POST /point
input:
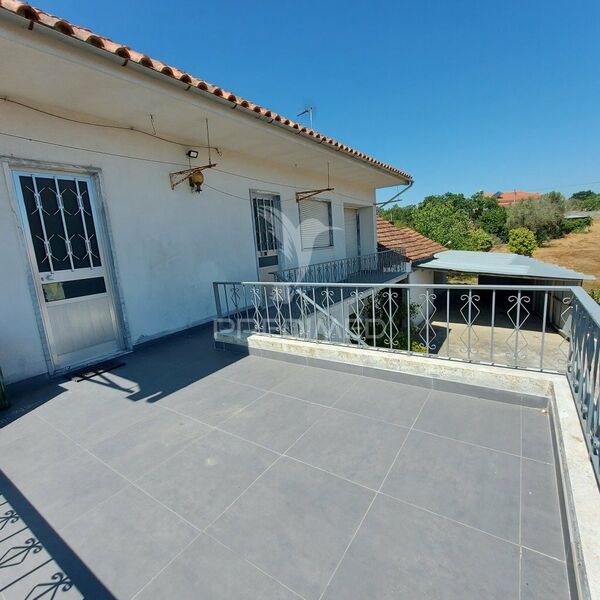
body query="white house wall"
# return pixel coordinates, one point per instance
(420, 276)
(168, 246)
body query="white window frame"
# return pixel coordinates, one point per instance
(329, 225)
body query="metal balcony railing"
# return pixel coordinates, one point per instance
(553, 329)
(367, 268)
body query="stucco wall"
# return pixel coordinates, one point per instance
(168, 246)
(419, 276)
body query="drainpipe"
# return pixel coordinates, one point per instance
(395, 197)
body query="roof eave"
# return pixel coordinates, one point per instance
(206, 90)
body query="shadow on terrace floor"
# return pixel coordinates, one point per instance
(151, 373)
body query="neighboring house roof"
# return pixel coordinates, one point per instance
(499, 263)
(39, 17)
(582, 214)
(415, 245)
(508, 198)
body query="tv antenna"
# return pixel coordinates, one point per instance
(308, 111)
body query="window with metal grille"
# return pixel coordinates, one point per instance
(266, 210)
(62, 226)
(315, 224)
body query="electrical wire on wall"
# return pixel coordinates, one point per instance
(165, 162)
(154, 135)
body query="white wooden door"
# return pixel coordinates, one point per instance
(61, 225)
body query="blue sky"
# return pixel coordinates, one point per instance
(463, 94)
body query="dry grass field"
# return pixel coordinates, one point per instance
(577, 251)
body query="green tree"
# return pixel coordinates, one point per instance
(438, 218)
(585, 200)
(402, 216)
(479, 240)
(542, 216)
(492, 218)
(522, 241)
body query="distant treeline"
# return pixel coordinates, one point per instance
(478, 222)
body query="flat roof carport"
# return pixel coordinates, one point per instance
(501, 264)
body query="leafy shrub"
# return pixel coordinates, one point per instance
(522, 241)
(478, 240)
(579, 224)
(542, 216)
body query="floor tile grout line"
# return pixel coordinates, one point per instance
(350, 412)
(383, 379)
(132, 483)
(536, 460)
(272, 391)
(183, 449)
(218, 541)
(558, 560)
(140, 418)
(282, 455)
(165, 567)
(331, 407)
(213, 428)
(304, 463)
(453, 439)
(375, 496)
(289, 456)
(446, 518)
(520, 501)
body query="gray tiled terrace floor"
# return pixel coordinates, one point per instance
(195, 473)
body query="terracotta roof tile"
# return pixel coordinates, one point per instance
(39, 17)
(415, 245)
(508, 198)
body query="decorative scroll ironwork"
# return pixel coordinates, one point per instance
(565, 323)
(235, 297)
(469, 312)
(390, 307)
(327, 296)
(583, 372)
(301, 303)
(335, 271)
(426, 309)
(518, 315)
(277, 298)
(359, 328)
(257, 316)
(375, 315)
(352, 308)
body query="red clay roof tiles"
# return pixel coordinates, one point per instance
(415, 245)
(508, 198)
(37, 16)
